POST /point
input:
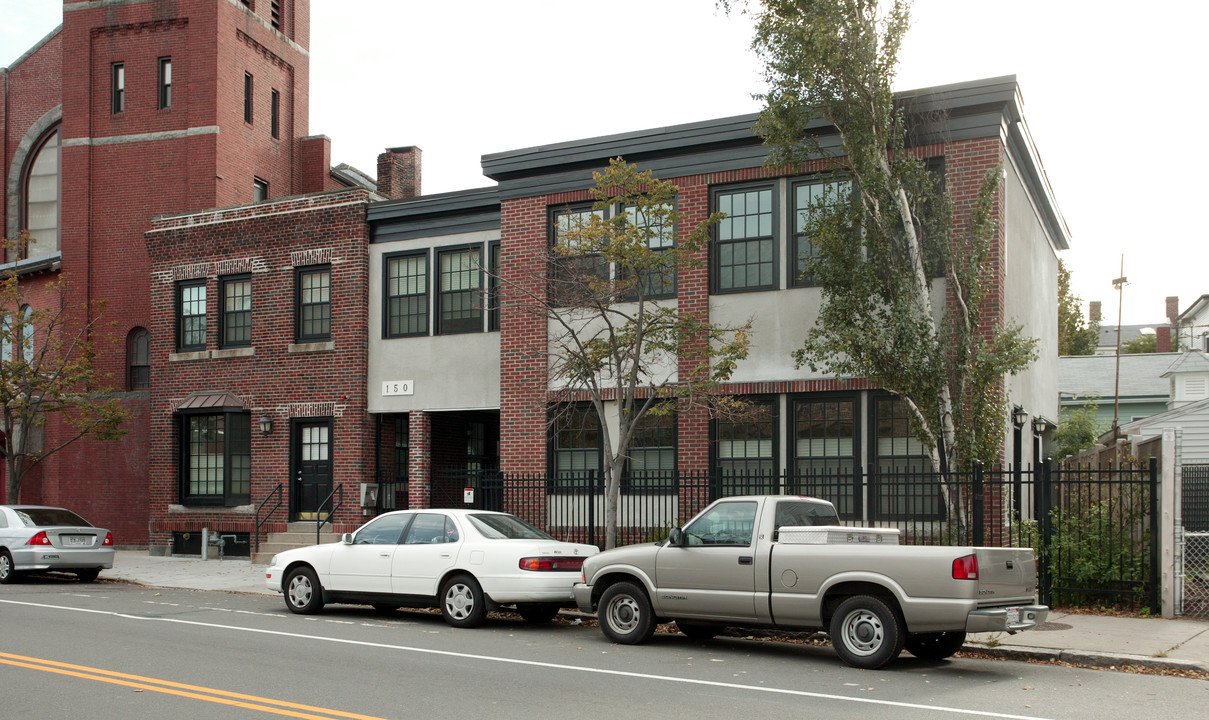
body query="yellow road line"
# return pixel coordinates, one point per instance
(224, 697)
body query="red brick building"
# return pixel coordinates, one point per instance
(129, 110)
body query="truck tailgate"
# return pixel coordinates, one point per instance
(1005, 574)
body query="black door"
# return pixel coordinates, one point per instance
(311, 459)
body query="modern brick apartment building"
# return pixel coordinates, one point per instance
(129, 110)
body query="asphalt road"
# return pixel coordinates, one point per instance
(117, 651)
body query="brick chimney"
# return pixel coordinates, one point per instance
(399, 172)
(1162, 339)
(1173, 309)
(1093, 312)
(314, 163)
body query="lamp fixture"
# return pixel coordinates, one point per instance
(1039, 425)
(1018, 416)
(266, 424)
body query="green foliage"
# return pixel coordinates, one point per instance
(1146, 343)
(1076, 335)
(48, 369)
(880, 248)
(1078, 429)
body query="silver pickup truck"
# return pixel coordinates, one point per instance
(785, 562)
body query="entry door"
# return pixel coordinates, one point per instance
(311, 454)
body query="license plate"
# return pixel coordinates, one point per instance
(74, 539)
(1013, 616)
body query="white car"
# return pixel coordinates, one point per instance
(465, 562)
(36, 538)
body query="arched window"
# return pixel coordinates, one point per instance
(138, 360)
(40, 211)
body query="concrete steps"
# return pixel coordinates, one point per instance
(297, 534)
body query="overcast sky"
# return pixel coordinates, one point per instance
(1109, 93)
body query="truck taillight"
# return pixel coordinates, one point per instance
(552, 564)
(965, 568)
(39, 539)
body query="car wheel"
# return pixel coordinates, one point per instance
(539, 613)
(698, 631)
(463, 604)
(88, 575)
(625, 614)
(303, 593)
(7, 573)
(935, 646)
(866, 632)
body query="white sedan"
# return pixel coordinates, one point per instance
(465, 562)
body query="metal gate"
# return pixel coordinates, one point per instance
(1192, 540)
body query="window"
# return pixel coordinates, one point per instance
(809, 198)
(576, 447)
(314, 312)
(247, 97)
(459, 300)
(216, 458)
(429, 529)
(727, 523)
(165, 82)
(275, 114)
(119, 88)
(260, 190)
(41, 206)
(493, 286)
(660, 278)
(745, 452)
(652, 464)
(406, 310)
(402, 447)
(191, 315)
(25, 335)
(744, 253)
(6, 340)
(571, 275)
(385, 530)
(235, 320)
(825, 445)
(904, 485)
(138, 360)
(277, 14)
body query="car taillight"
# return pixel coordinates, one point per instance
(965, 568)
(552, 564)
(108, 539)
(39, 539)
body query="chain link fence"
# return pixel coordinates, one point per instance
(1193, 575)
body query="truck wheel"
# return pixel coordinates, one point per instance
(625, 614)
(698, 631)
(935, 646)
(866, 632)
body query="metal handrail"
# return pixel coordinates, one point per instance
(256, 539)
(320, 520)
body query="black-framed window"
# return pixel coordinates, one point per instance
(118, 88)
(660, 282)
(216, 458)
(745, 447)
(826, 441)
(165, 83)
(235, 320)
(191, 315)
(40, 200)
(260, 190)
(745, 249)
(493, 286)
(570, 275)
(314, 303)
(575, 451)
(406, 311)
(138, 359)
(808, 198)
(904, 485)
(652, 463)
(459, 290)
(247, 97)
(402, 448)
(275, 114)
(277, 14)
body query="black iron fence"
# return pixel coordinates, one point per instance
(1093, 528)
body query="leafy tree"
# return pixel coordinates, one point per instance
(47, 369)
(614, 338)
(1076, 335)
(878, 250)
(1078, 429)
(1145, 343)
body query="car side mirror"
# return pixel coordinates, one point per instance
(347, 538)
(675, 538)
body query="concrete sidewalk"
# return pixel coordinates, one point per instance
(1094, 640)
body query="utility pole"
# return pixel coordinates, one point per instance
(1119, 284)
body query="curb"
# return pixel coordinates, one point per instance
(1089, 658)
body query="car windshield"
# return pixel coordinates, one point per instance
(506, 527)
(50, 517)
